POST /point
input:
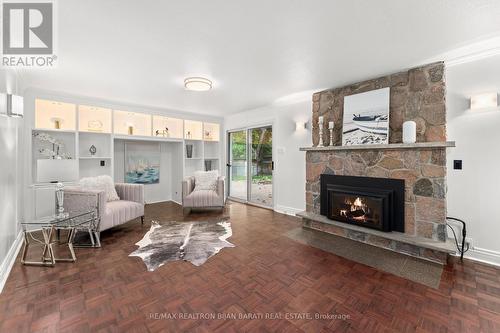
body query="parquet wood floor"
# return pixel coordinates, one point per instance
(107, 291)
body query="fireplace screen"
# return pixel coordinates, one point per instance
(376, 203)
(364, 210)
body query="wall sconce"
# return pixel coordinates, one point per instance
(300, 125)
(11, 105)
(3, 104)
(484, 101)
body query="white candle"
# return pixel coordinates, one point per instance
(330, 125)
(320, 119)
(409, 132)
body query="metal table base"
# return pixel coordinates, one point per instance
(48, 257)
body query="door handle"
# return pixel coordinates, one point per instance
(228, 165)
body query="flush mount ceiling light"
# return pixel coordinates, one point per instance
(197, 84)
(483, 101)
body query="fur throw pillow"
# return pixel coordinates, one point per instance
(101, 183)
(205, 180)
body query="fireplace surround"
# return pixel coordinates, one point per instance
(419, 227)
(376, 203)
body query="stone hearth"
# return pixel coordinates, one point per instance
(418, 247)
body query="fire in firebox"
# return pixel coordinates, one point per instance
(376, 203)
(356, 209)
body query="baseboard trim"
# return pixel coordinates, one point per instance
(157, 201)
(483, 255)
(10, 259)
(169, 200)
(287, 210)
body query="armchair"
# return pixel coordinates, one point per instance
(202, 198)
(109, 214)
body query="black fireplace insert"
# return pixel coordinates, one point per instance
(376, 203)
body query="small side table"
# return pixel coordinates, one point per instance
(49, 226)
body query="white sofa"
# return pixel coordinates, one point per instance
(112, 213)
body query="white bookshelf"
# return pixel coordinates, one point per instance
(81, 126)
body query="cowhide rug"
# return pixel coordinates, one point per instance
(191, 241)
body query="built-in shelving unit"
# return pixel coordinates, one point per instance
(81, 127)
(193, 130)
(101, 143)
(168, 128)
(131, 123)
(211, 146)
(94, 119)
(53, 115)
(211, 132)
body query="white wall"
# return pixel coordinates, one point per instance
(11, 208)
(289, 162)
(474, 192)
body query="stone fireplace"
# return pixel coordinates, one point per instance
(388, 195)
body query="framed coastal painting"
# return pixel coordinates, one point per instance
(142, 163)
(366, 118)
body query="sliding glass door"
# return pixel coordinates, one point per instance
(250, 165)
(237, 164)
(261, 166)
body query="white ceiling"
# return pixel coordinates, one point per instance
(256, 51)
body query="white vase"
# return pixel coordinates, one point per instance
(409, 131)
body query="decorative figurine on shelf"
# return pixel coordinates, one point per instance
(188, 135)
(320, 126)
(130, 130)
(208, 135)
(94, 125)
(57, 122)
(92, 150)
(164, 133)
(330, 127)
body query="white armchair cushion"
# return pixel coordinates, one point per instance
(102, 183)
(205, 180)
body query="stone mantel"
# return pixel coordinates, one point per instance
(391, 146)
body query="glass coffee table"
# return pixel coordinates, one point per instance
(50, 228)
